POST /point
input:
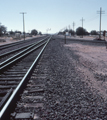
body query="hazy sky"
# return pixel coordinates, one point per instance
(54, 14)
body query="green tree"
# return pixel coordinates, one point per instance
(72, 32)
(40, 33)
(81, 31)
(93, 32)
(60, 33)
(11, 32)
(34, 32)
(18, 32)
(3, 30)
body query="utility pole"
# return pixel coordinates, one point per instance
(23, 24)
(0, 24)
(100, 12)
(65, 34)
(69, 27)
(69, 30)
(82, 26)
(73, 27)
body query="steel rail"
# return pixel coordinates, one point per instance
(7, 64)
(6, 109)
(7, 53)
(15, 43)
(18, 54)
(10, 44)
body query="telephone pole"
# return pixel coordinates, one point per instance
(69, 30)
(82, 26)
(23, 24)
(69, 27)
(100, 12)
(73, 27)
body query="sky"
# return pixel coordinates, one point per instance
(55, 15)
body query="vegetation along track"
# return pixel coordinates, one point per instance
(14, 75)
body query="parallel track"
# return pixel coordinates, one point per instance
(13, 78)
(16, 43)
(17, 49)
(16, 57)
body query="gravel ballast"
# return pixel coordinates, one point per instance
(67, 97)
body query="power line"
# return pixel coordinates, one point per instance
(100, 12)
(91, 19)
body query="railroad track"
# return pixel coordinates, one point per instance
(16, 54)
(14, 49)
(2, 47)
(15, 72)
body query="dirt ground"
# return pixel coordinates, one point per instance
(91, 63)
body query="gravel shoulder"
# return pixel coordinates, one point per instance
(92, 63)
(72, 90)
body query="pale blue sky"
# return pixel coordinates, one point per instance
(54, 14)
